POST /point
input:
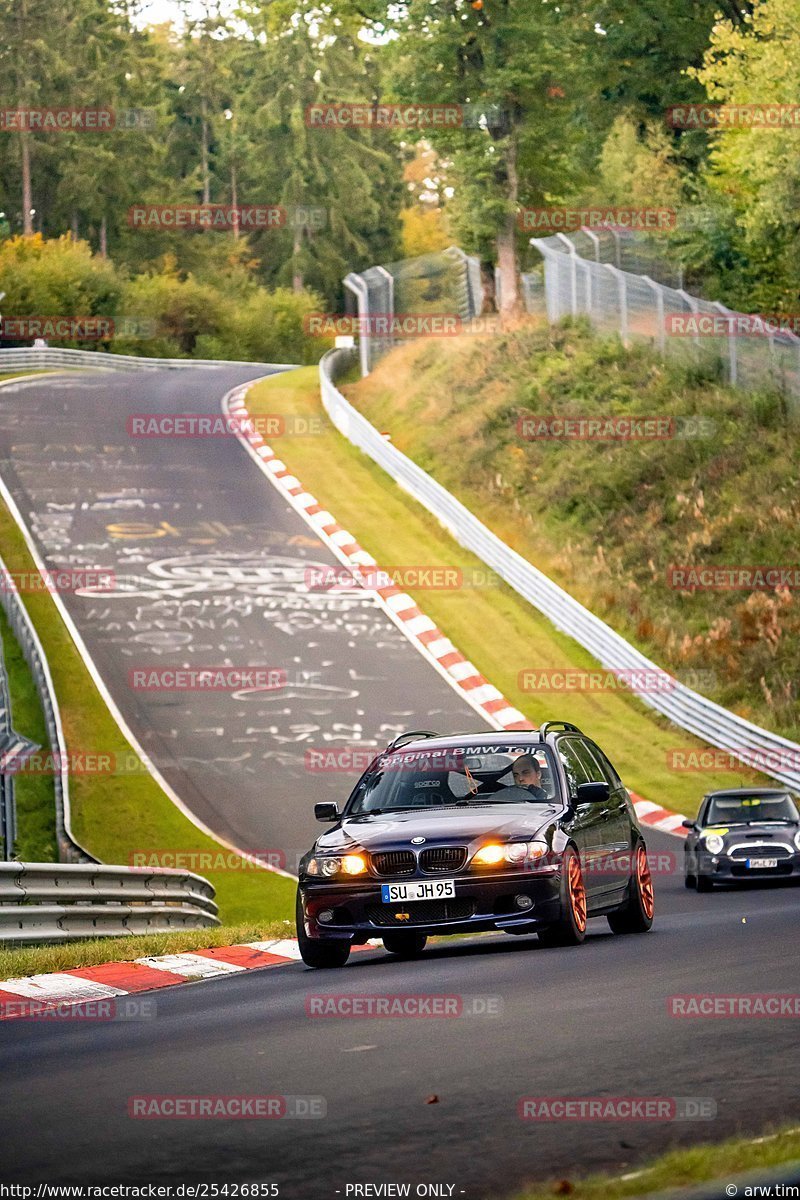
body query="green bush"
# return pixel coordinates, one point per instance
(220, 312)
(56, 278)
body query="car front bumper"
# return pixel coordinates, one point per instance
(480, 904)
(724, 868)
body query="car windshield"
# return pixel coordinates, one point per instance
(435, 778)
(731, 810)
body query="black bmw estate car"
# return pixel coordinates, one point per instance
(521, 832)
(742, 833)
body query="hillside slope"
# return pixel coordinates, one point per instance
(608, 520)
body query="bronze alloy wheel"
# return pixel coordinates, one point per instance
(644, 881)
(570, 927)
(635, 915)
(577, 892)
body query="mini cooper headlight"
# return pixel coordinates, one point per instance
(515, 854)
(714, 843)
(797, 840)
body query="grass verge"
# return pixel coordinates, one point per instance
(679, 1168)
(491, 625)
(36, 960)
(35, 797)
(113, 814)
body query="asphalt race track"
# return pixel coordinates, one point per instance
(586, 1021)
(210, 563)
(211, 568)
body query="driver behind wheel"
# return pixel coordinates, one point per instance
(528, 775)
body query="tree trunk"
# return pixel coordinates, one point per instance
(234, 202)
(204, 153)
(27, 197)
(297, 277)
(507, 238)
(104, 237)
(507, 267)
(74, 226)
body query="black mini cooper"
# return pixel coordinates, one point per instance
(522, 832)
(742, 833)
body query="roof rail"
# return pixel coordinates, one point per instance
(549, 726)
(410, 736)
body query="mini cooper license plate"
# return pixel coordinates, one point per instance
(754, 863)
(436, 889)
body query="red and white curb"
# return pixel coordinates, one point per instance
(658, 817)
(403, 610)
(52, 996)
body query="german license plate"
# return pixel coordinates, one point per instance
(402, 893)
(755, 863)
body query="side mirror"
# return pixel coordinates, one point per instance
(688, 823)
(326, 812)
(593, 793)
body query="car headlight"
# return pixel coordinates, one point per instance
(515, 854)
(350, 864)
(797, 840)
(714, 843)
(354, 864)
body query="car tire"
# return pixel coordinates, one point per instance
(404, 945)
(570, 928)
(636, 915)
(316, 952)
(704, 884)
(689, 880)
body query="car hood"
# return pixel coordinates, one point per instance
(390, 831)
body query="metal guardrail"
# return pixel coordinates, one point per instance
(69, 849)
(775, 756)
(51, 902)
(8, 812)
(48, 358)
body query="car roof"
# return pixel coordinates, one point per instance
(488, 737)
(754, 791)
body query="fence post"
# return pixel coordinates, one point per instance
(573, 255)
(623, 301)
(595, 240)
(587, 266)
(390, 313)
(358, 287)
(551, 290)
(472, 281)
(695, 308)
(733, 364)
(659, 295)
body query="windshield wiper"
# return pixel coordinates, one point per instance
(384, 812)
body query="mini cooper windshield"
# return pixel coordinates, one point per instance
(741, 810)
(459, 775)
